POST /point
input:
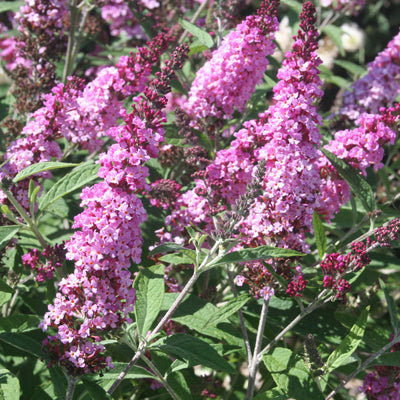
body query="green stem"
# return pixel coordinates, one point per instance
(241, 319)
(253, 367)
(362, 366)
(69, 58)
(160, 377)
(143, 345)
(28, 220)
(72, 380)
(310, 308)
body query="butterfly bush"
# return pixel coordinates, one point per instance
(80, 113)
(228, 80)
(363, 106)
(98, 295)
(284, 137)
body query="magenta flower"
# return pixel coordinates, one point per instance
(228, 80)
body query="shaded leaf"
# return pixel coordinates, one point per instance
(24, 343)
(11, 5)
(195, 350)
(40, 167)
(357, 183)
(392, 308)
(59, 382)
(96, 392)
(291, 375)
(19, 323)
(149, 285)
(228, 309)
(351, 67)
(350, 343)
(135, 372)
(7, 232)
(195, 313)
(178, 384)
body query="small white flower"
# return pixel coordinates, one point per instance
(353, 37)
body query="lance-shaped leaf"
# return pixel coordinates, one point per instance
(257, 253)
(79, 177)
(149, 285)
(228, 309)
(352, 176)
(24, 343)
(199, 33)
(40, 167)
(7, 232)
(291, 375)
(194, 350)
(320, 235)
(96, 392)
(349, 343)
(9, 385)
(166, 248)
(392, 308)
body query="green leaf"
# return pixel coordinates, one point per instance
(228, 309)
(179, 385)
(335, 33)
(392, 308)
(40, 167)
(19, 323)
(199, 33)
(351, 67)
(96, 392)
(135, 372)
(6, 292)
(273, 394)
(391, 359)
(184, 257)
(77, 178)
(24, 343)
(9, 385)
(194, 350)
(357, 183)
(58, 381)
(349, 343)
(295, 5)
(320, 236)
(7, 232)
(11, 6)
(166, 248)
(291, 375)
(197, 47)
(195, 313)
(149, 285)
(257, 253)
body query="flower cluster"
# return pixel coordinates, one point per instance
(43, 270)
(99, 295)
(378, 88)
(384, 382)
(164, 193)
(284, 140)
(262, 283)
(361, 147)
(81, 113)
(228, 80)
(335, 265)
